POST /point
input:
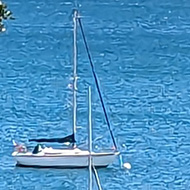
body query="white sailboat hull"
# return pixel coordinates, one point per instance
(65, 159)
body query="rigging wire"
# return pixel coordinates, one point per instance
(96, 81)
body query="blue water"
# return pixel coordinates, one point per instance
(141, 55)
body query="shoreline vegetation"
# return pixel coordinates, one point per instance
(5, 14)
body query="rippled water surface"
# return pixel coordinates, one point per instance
(141, 54)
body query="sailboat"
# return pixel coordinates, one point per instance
(67, 157)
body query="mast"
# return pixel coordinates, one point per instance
(75, 72)
(90, 138)
(90, 159)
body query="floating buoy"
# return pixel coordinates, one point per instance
(127, 165)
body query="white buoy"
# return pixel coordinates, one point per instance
(127, 165)
(3, 29)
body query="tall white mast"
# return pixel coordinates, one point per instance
(90, 159)
(75, 72)
(89, 139)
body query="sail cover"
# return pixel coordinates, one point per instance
(70, 139)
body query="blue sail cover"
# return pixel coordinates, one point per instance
(70, 139)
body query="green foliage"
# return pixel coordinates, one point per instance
(5, 14)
